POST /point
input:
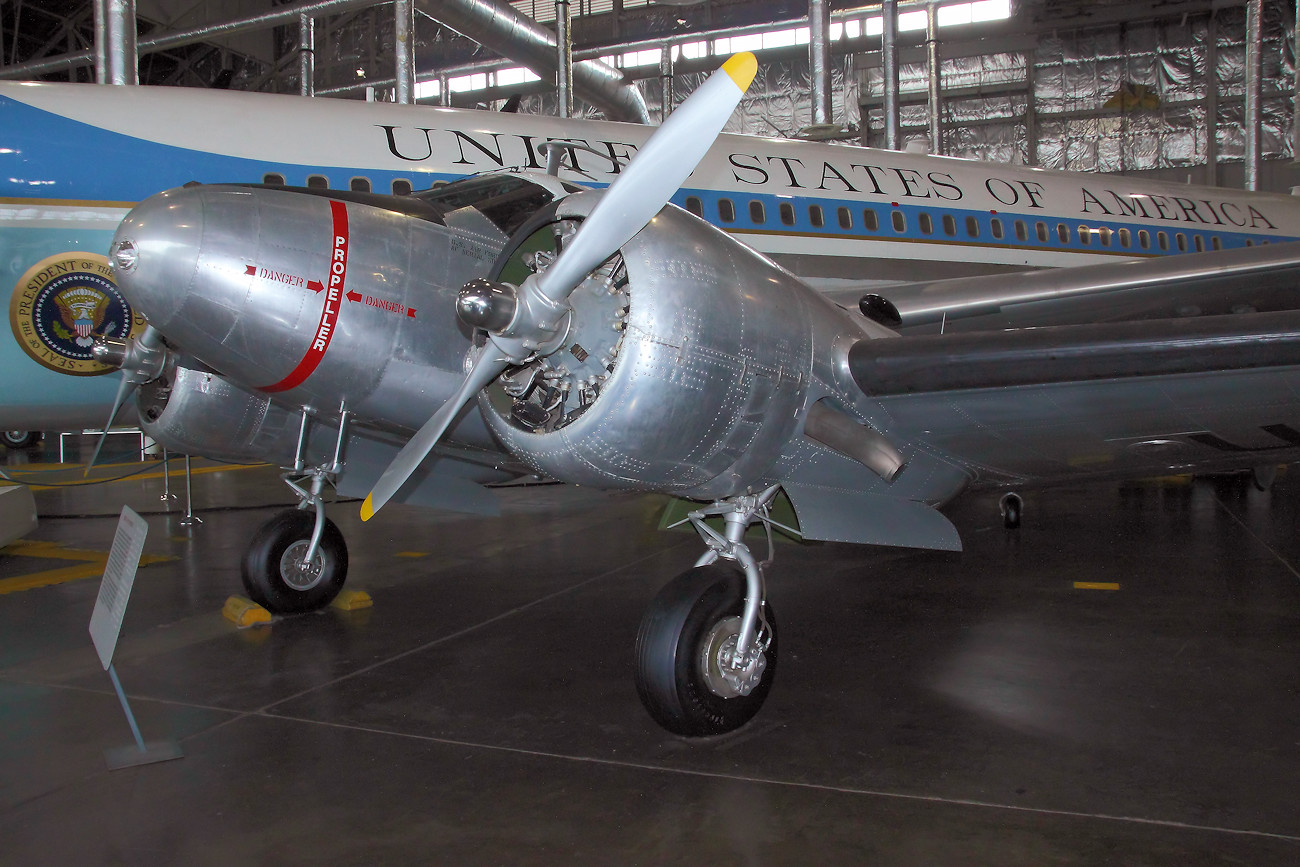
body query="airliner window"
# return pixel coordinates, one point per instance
(1105, 236)
(273, 178)
(927, 225)
(816, 216)
(318, 182)
(1040, 229)
(1085, 235)
(786, 211)
(506, 200)
(1022, 231)
(1125, 238)
(1200, 243)
(1144, 239)
(996, 225)
(359, 185)
(1163, 240)
(900, 221)
(402, 187)
(949, 225)
(756, 213)
(845, 217)
(695, 206)
(1182, 242)
(973, 227)
(1249, 242)
(869, 221)
(1063, 233)
(1216, 243)
(727, 210)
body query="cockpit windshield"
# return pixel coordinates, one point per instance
(507, 200)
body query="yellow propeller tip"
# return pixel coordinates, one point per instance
(742, 68)
(367, 510)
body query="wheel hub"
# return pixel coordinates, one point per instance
(725, 674)
(296, 571)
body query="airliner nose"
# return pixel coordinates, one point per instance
(155, 253)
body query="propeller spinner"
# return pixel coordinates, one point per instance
(531, 319)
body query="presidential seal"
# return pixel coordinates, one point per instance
(62, 304)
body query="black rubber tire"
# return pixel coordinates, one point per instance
(261, 572)
(20, 439)
(1012, 507)
(668, 645)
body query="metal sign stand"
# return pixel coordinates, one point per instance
(106, 625)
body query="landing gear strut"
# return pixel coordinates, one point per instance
(706, 649)
(298, 561)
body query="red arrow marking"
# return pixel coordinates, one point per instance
(250, 270)
(354, 296)
(316, 286)
(330, 311)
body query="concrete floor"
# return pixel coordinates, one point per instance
(930, 708)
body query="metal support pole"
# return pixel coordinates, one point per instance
(306, 55)
(1212, 101)
(1254, 73)
(444, 91)
(121, 58)
(819, 27)
(101, 41)
(564, 61)
(190, 517)
(404, 51)
(167, 480)
(889, 60)
(126, 708)
(933, 77)
(1295, 94)
(666, 82)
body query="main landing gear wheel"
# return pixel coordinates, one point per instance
(1011, 507)
(20, 439)
(275, 572)
(683, 650)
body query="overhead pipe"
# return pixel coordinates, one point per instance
(404, 51)
(306, 55)
(889, 60)
(819, 25)
(933, 73)
(563, 58)
(495, 25)
(281, 16)
(1254, 73)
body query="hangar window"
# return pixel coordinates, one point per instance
(927, 225)
(756, 213)
(359, 185)
(816, 216)
(869, 221)
(786, 211)
(996, 225)
(1144, 239)
(972, 227)
(900, 221)
(695, 206)
(727, 210)
(1022, 231)
(1125, 238)
(318, 182)
(845, 216)
(273, 178)
(949, 224)
(402, 187)
(1163, 240)
(1040, 228)
(1200, 243)
(1063, 233)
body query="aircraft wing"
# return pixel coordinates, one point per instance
(1217, 282)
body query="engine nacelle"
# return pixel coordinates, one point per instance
(687, 360)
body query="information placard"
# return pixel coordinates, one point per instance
(115, 589)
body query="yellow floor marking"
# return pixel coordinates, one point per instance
(174, 473)
(93, 564)
(412, 553)
(1095, 585)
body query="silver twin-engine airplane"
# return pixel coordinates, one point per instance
(411, 346)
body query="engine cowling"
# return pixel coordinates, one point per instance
(687, 360)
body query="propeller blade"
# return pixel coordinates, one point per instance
(652, 177)
(487, 368)
(124, 391)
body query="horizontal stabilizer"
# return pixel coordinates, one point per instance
(1075, 353)
(829, 515)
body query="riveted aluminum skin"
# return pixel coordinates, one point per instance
(231, 274)
(709, 381)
